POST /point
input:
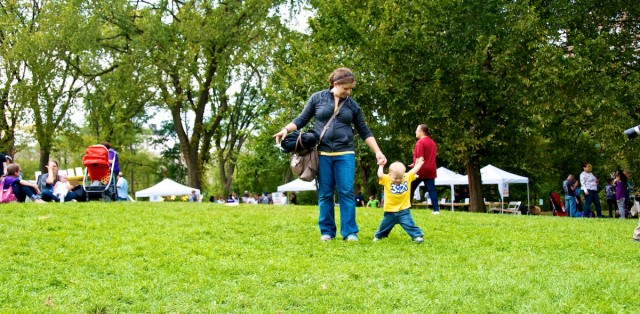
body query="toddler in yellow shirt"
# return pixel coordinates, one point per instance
(397, 200)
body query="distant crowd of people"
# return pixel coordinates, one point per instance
(581, 193)
(249, 198)
(618, 192)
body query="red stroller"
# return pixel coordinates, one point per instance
(556, 205)
(98, 181)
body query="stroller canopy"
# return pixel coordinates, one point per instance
(96, 155)
(96, 160)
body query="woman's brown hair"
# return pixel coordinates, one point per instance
(55, 174)
(341, 76)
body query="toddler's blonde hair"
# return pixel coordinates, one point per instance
(397, 168)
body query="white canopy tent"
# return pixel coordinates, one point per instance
(166, 187)
(298, 185)
(445, 177)
(494, 175)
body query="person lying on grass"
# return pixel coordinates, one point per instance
(397, 200)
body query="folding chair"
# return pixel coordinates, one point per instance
(513, 207)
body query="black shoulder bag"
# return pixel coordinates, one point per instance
(305, 166)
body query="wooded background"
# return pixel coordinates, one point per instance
(533, 87)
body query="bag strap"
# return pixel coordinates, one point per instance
(326, 126)
(299, 142)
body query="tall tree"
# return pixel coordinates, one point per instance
(56, 42)
(197, 47)
(491, 78)
(591, 70)
(458, 66)
(248, 105)
(12, 72)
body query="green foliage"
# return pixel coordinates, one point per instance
(172, 165)
(27, 158)
(262, 166)
(54, 40)
(254, 258)
(141, 168)
(199, 52)
(530, 87)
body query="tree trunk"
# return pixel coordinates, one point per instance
(225, 180)
(7, 125)
(476, 199)
(194, 169)
(44, 159)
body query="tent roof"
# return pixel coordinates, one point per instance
(166, 187)
(494, 175)
(448, 177)
(298, 185)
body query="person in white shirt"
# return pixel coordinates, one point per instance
(62, 187)
(589, 184)
(252, 200)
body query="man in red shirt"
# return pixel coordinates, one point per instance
(427, 149)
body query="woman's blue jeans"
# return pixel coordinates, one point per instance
(47, 196)
(336, 173)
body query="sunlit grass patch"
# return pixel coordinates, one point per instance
(200, 257)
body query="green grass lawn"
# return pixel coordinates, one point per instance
(201, 257)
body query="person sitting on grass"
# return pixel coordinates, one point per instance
(21, 188)
(48, 181)
(193, 197)
(62, 187)
(397, 200)
(252, 199)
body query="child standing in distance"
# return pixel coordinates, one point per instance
(373, 202)
(397, 200)
(610, 194)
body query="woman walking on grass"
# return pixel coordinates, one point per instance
(336, 167)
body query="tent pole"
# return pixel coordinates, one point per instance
(452, 198)
(528, 204)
